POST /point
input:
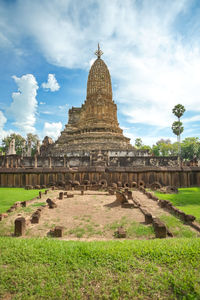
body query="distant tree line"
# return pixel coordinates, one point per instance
(20, 142)
(190, 148)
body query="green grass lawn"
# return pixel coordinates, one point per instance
(187, 200)
(177, 228)
(52, 269)
(8, 196)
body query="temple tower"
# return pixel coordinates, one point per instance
(100, 111)
(94, 126)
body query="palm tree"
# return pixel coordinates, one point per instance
(177, 126)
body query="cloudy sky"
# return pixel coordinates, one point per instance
(151, 47)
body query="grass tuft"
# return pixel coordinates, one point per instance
(52, 269)
(177, 228)
(187, 200)
(8, 196)
(134, 229)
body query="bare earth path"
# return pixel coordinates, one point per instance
(92, 216)
(154, 208)
(88, 210)
(150, 205)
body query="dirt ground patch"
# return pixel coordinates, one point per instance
(92, 216)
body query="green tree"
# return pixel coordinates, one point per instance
(178, 110)
(156, 150)
(162, 148)
(146, 147)
(1, 149)
(34, 140)
(19, 140)
(138, 143)
(165, 149)
(174, 149)
(140, 146)
(161, 141)
(190, 148)
(177, 127)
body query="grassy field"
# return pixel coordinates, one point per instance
(89, 229)
(177, 228)
(51, 269)
(187, 200)
(8, 196)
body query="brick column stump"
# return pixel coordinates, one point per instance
(61, 196)
(20, 226)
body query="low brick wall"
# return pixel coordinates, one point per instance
(180, 177)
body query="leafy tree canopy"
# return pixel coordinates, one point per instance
(163, 141)
(156, 150)
(138, 143)
(163, 147)
(190, 148)
(177, 128)
(19, 140)
(178, 110)
(34, 140)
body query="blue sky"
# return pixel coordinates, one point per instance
(151, 47)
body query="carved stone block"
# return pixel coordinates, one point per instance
(120, 233)
(120, 197)
(23, 204)
(159, 228)
(51, 203)
(20, 226)
(61, 196)
(70, 195)
(58, 231)
(130, 195)
(35, 217)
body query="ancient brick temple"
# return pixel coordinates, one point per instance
(94, 125)
(92, 148)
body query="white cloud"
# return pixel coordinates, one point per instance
(46, 112)
(24, 105)
(152, 52)
(3, 121)
(152, 140)
(191, 119)
(63, 107)
(42, 103)
(148, 138)
(91, 61)
(3, 132)
(4, 42)
(51, 84)
(52, 129)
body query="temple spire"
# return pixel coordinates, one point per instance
(98, 53)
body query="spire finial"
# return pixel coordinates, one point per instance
(98, 53)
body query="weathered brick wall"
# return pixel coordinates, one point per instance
(115, 159)
(181, 177)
